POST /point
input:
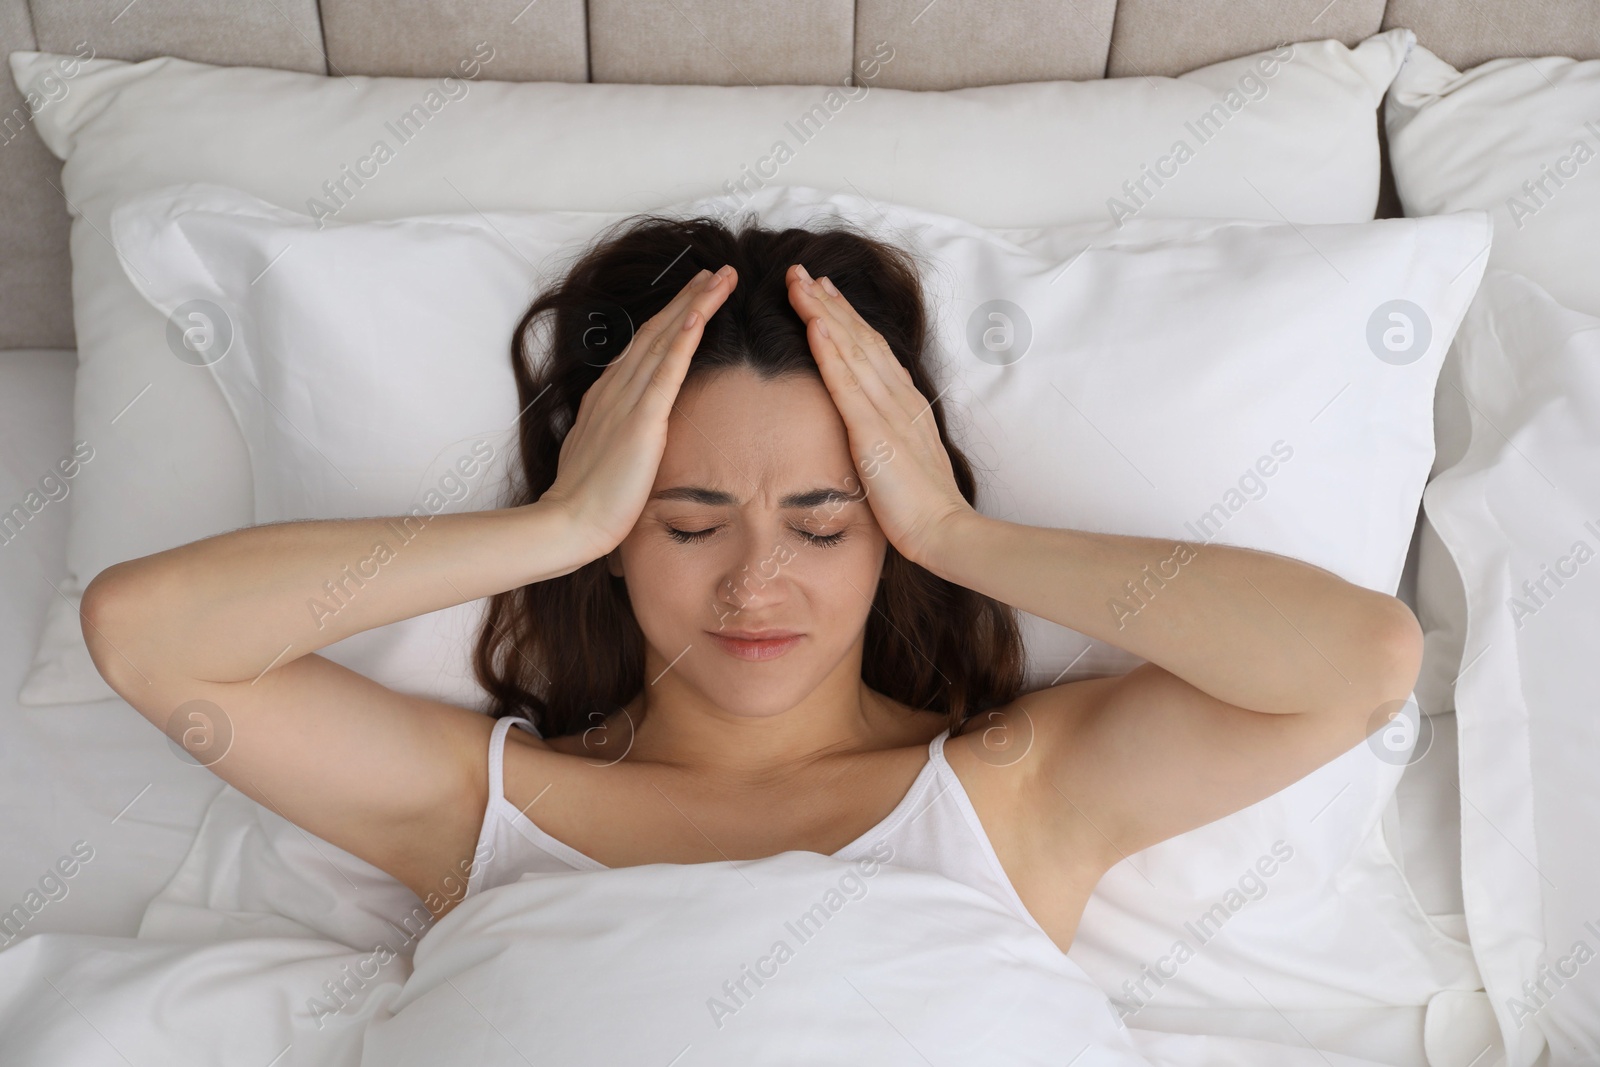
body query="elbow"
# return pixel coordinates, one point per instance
(99, 613)
(1406, 645)
(1397, 655)
(96, 604)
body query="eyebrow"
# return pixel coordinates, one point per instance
(699, 494)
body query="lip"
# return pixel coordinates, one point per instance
(766, 644)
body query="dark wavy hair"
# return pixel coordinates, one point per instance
(567, 652)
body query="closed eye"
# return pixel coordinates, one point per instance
(684, 537)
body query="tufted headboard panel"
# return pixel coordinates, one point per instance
(938, 44)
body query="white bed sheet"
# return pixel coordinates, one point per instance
(96, 773)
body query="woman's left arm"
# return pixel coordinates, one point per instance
(1261, 668)
(1258, 630)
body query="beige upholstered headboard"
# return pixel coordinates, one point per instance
(938, 44)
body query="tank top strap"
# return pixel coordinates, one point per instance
(956, 843)
(497, 750)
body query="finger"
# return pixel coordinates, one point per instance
(895, 374)
(662, 323)
(827, 296)
(861, 413)
(617, 384)
(883, 377)
(660, 386)
(666, 358)
(840, 339)
(680, 329)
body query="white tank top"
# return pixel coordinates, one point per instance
(933, 828)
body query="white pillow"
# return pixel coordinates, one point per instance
(1253, 323)
(1521, 511)
(310, 315)
(1519, 138)
(174, 468)
(368, 367)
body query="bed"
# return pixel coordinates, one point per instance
(86, 779)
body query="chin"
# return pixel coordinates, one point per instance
(755, 687)
(757, 698)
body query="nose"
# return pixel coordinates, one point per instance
(755, 581)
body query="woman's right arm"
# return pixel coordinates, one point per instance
(215, 642)
(224, 608)
(234, 620)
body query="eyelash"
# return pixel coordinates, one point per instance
(684, 537)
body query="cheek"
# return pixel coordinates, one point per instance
(661, 578)
(674, 591)
(841, 583)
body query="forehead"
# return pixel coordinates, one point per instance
(731, 430)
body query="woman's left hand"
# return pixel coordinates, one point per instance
(905, 469)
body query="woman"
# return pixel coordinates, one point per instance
(744, 594)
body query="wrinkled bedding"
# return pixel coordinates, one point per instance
(797, 959)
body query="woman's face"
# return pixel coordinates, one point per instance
(739, 451)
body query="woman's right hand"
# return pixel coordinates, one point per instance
(610, 456)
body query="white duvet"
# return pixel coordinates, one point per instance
(794, 959)
(797, 958)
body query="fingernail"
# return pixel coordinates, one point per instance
(828, 285)
(701, 276)
(726, 269)
(805, 275)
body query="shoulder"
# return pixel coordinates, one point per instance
(1138, 758)
(562, 773)
(1042, 758)
(1030, 731)
(1009, 760)
(1048, 846)
(518, 735)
